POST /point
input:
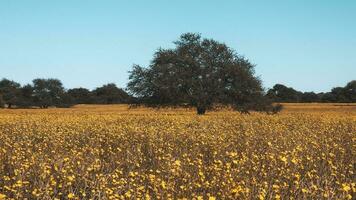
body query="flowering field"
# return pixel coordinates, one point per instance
(110, 152)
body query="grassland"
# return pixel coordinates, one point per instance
(112, 152)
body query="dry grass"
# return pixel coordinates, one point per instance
(111, 152)
(338, 108)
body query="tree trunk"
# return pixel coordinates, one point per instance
(9, 105)
(201, 110)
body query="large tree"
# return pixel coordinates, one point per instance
(197, 72)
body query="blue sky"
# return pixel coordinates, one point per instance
(308, 45)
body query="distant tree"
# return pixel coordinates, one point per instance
(66, 101)
(328, 97)
(80, 95)
(198, 72)
(110, 94)
(281, 93)
(339, 94)
(48, 92)
(2, 102)
(309, 97)
(10, 91)
(345, 94)
(26, 96)
(350, 91)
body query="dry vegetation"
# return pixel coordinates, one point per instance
(110, 152)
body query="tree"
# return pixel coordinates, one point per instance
(80, 95)
(350, 91)
(10, 92)
(309, 97)
(2, 102)
(282, 93)
(328, 97)
(345, 94)
(197, 72)
(26, 96)
(339, 94)
(110, 94)
(48, 92)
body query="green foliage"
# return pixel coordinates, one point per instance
(80, 95)
(48, 92)
(197, 72)
(350, 91)
(2, 102)
(110, 94)
(10, 91)
(281, 93)
(309, 97)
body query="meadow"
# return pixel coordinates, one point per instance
(112, 152)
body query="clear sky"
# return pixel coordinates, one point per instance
(308, 45)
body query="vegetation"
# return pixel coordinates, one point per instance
(44, 93)
(2, 102)
(9, 91)
(198, 72)
(110, 152)
(281, 93)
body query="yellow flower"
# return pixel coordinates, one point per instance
(346, 187)
(275, 187)
(261, 196)
(70, 178)
(163, 184)
(236, 190)
(294, 161)
(284, 159)
(177, 162)
(71, 196)
(128, 194)
(2, 196)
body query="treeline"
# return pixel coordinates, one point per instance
(284, 94)
(44, 93)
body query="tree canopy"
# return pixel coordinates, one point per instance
(110, 94)
(198, 72)
(50, 92)
(282, 93)
(9, 91)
